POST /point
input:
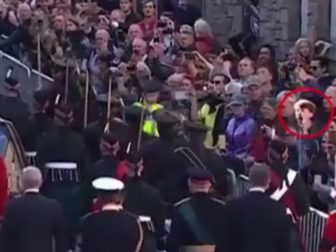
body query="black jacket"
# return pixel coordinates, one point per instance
(255, 223)
(30, 224)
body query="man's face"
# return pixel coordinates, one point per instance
(134, 32)
(316, 70)
(264, 75)
(331, 94)
(254, 93)
(101, 39)
(125, 5)
(264, 55)
(303, 114)
(219, 83)
(245, 68)
(139, 47)
(186, 40)
(149, 10)
(24, 13)
(152, 97)
(59, 23)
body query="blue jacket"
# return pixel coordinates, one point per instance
(239, 135)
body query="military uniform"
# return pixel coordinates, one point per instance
(163, 169)
(112, 228)
(94, 131)
(208, 159)
(196, 221)
(12, 108)
(62, 156)
(40, 122)
(146, 202)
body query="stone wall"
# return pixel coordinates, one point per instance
(282, 22)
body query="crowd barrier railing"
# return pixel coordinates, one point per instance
(27, 77)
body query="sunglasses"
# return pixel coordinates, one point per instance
(216, 82)
(313, 68)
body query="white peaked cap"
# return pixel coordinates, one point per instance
(108, 184)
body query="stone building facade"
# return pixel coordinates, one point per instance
(282, 21)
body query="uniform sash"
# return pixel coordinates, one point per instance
(190, 216)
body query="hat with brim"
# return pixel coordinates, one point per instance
(166, 117)
(199, 176)
(195, 127)
(237, 100)
(63, 112)
(151, 86)
(108, 184)
(253, 80)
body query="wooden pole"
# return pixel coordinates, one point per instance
(39, 78)
(66, 91)
(86, 104)
(109, 98)
(142, 118)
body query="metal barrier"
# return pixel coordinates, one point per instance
(27, 77)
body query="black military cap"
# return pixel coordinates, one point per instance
(199, 175)
(134, 112)
(166, 117)
(195, 127)
(151, 86)
(102, 100)
(41, 96)
(63, 112)
(133, 157)
(109, 139)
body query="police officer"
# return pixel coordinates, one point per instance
(196, 224)
(62, 156)
(112, 228)
(151, 93)
(146, 202)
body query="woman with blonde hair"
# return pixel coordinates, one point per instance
(304, 52)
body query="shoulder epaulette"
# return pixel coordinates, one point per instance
(182, 201)
(218, 201)
(90, 214)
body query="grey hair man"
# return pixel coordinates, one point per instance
(37, 222)
(260, 177)
(31, 179)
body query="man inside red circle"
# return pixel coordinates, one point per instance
(306, 147)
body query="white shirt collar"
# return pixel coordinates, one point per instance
(32, 190)
(257, 189)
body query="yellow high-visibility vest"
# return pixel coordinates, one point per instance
(150, 125)
(208, 119)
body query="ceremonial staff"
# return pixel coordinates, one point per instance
(109, 98)
(86, 102)
(142, 118)
(39, 78)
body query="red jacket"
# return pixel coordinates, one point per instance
(204, 45)
(3, 186)
(148, 27)
(329, 235)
